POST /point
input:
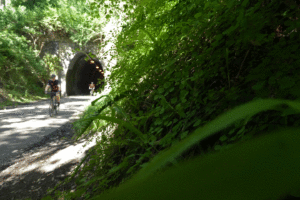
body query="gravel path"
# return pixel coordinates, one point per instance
(40, 161)
(27, 125)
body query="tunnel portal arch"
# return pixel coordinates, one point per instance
(72, 77)
(81, 73)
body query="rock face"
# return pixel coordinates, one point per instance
(50, 47)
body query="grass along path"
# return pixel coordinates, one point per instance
(13, 98)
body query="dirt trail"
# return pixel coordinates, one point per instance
(43, 167)
(43, 162)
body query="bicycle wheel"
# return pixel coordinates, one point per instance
(55, 106)
(51, 111)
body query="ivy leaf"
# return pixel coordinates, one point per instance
(183, 93)
(218, 37)
(197, 122)
(152, 139)
(241, 131)
(258, 86)
(231, 29)
(272, 80)
(231, 131)
(286, 82)
(198, 15)
(161, 90)
(174, 100)
(207, 4)
(120, 166)
(162, 110)
(167, 85)
(180, 110)
(184, 134)
(168, 123)
(289, 111)
(217, 147)
(83, 180)
(245, 3)
(223, 138)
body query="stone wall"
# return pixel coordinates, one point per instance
(65, 51)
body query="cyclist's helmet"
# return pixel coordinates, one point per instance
(53, 76)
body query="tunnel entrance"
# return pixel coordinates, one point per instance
(89, 72)
(82, 74)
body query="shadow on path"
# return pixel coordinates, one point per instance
(42, 165)
(23, 127)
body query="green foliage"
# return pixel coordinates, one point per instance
(72, 18)
(265, 168)
(23, 28)
(52, 64)
(216, 125)
(180, 64)
(32, 4)
(17, 62)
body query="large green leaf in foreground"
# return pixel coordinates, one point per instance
(221, 122)
(264, 168)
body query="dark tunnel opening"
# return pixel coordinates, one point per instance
(82, 74)
(89, 72)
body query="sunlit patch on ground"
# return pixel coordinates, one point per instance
(66, 155)
(45, 160)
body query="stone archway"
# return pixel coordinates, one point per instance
(81, 73)
(77, 73)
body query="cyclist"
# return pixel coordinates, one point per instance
(92, 88)
(54, 87)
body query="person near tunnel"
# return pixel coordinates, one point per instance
(54, 87)
(92, 88)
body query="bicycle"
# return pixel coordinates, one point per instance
(53, 107)
(91, 92)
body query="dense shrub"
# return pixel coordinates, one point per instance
(183, 63)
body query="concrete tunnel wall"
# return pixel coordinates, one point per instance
(81, 73)
(77, 73)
